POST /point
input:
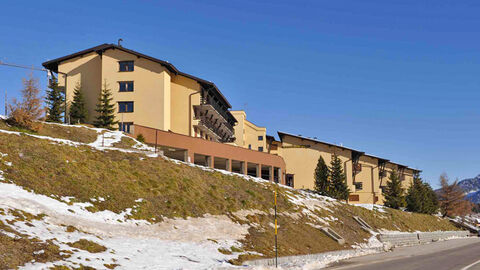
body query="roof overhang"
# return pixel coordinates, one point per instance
(100, 49)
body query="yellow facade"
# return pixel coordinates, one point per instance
(86, 70)
(363, 176)
(169, 100)
(163, 98)
(249, 135)
(301, 157)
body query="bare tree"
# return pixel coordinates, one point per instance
(26, 113)
(452, 198)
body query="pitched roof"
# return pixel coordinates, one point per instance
(53, 65)
(282, 134)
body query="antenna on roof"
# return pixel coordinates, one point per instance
(119, 42)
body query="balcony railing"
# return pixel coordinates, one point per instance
(221, 110)
(216, 131)
(357, 167)
(214, 117)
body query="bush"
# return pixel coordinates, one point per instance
(140, 138)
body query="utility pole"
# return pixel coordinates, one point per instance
(276, 247)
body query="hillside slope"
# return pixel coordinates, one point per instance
(73, 196)
(471, 186)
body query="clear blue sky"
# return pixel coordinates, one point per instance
(398, 80)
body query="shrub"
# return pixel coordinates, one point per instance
(140, 138)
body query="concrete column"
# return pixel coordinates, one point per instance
(209, 160)
(270, 173)
(281, 179)
(190, 156)
(243, 167)
(258, 169)
(228, 166)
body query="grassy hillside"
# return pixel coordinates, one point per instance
(157, 189)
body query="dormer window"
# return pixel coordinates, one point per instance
(125, 66)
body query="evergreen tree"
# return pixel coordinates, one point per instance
(421, 198)
(394, 197)
(430, 205)
(338, 186)
(105, 109)
(55, 100)
(321, 177)
(415, 195)
(78, 110)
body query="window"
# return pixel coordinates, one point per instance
(289, 180)
(125, 86)
(358, 185)
(125, 106)
(126, 127)
(250, 146)
(260, 138)
(125, 65)
(260, 148)
(354, 198)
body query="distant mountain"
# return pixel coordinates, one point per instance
(471, 186)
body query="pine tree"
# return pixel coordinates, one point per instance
(105, 109)
(421, 198)
(321, 177)
(338, 186)
(415, 195)
(430, 205)
(55, 100)
(26, 113)
(78, 110)
(452, 199)
(394, 193)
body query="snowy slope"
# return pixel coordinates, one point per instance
(192, 243)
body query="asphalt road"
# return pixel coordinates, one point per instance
(458, 254)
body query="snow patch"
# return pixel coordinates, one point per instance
(372, 207)
(190, 243)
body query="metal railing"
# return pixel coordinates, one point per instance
(221, 110)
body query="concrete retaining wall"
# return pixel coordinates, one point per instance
(400, 239)
(285, 261)
(395, 239)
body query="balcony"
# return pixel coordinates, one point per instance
(219, 132)
(215, 120)
(357, 167)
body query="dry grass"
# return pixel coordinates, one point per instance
(295, 237)
(76, 134)
(125, 143)
(397, 220)
(73, 133)
(19, 250)
(168, 189)
(177, 190)
(88, 245)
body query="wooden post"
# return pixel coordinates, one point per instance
(156, 131)
(276, 246)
